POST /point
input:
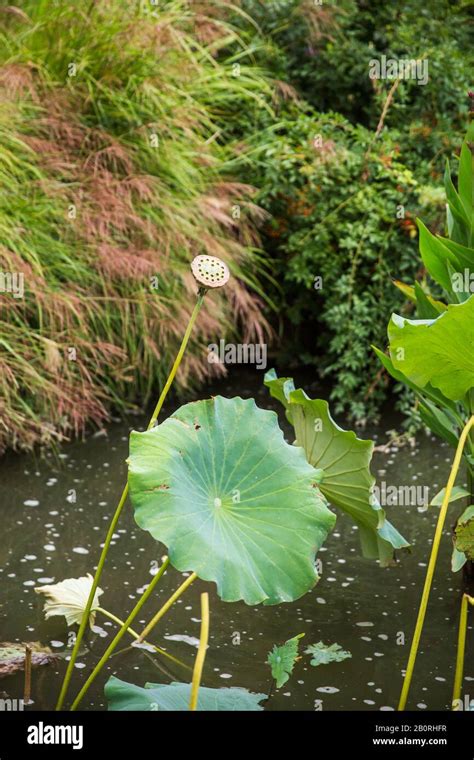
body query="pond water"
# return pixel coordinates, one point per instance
(370, 611)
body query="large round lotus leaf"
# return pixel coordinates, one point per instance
(219, 486)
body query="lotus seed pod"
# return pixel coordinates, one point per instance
(209, 271)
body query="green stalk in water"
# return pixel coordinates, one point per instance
(119, 635)
(136, 636)
(123, 499)
(201, 654)
(466, 600)
(432, 565)
(126, 627)
(209, 272)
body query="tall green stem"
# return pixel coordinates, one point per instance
(164, 609)
(118, 511)
(201, 654)
(432, 564)
(466, 600)
(119, 635)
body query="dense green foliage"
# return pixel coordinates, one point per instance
(344, 189)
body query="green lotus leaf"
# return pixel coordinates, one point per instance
(123, 696)
(464, 533)
(282, 659)
(343, 462)
(323, 654)
(436, 351)
(219, 486)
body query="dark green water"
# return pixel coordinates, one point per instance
(368, 610)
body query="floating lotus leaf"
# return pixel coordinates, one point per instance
(12, 656)
(69, 598)
(343, 464)
(282, 660)
(175, 696)
(232, 501)
(323, 654)
(438, 352)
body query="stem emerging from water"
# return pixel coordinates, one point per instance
(118, 511)
(201, 654)
(135, 635)
(432, 564)
(164, 609)
(466, 599)
(119, 635)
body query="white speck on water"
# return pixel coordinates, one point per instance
(45, 580)
(369, 702)
(320, 600)
(421, 705)
(225, 675)
(327, 689)
(365, 625)
(80, 550)
(31, 503)
(80, 665)
(49, 547)
(29, 583)
(440, 678)
(191, 640)
(30, 556)
(56, 644)
(387, 708)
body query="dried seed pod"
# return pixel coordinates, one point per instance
(209, 271)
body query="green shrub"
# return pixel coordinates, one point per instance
(336, 209)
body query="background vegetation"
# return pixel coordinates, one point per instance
(137, 135)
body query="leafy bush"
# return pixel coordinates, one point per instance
(339, 237)
(337, 209)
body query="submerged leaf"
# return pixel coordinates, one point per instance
(12, 656)
(121, 695)
(322, 654)
(219, 486)
(69, 598)
(282, 660)
(342, 461)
